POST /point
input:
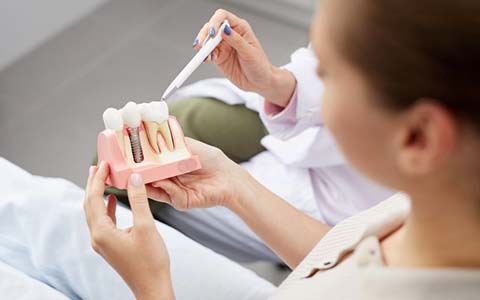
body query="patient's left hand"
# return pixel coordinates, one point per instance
(138, 253)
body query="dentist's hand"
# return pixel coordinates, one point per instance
(138, 253)
(218, 183)
(241, 58)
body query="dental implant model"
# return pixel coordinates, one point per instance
(143, 139)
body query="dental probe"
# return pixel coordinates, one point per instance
(209, 45)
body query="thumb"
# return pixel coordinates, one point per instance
(236, 41)
(137, 196)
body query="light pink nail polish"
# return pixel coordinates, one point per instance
(136, 180)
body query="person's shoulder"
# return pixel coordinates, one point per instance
(390, 212)
(378, 221)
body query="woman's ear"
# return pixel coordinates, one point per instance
(427, 138)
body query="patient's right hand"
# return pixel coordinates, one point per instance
(137, 253)
(217, 183)
(242, 59)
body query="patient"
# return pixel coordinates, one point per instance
(401, 98)
(45, 250)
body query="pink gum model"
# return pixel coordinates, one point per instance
(120, 168)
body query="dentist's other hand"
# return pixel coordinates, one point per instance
(138, 253)
(241, 58)
(219, 182)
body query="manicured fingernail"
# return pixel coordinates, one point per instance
(136, 180)
(227, 30)
(211, 32)
(195, 42)
(91, 170)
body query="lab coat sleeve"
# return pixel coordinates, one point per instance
(298, 136)
(304, 109)
(297, 133)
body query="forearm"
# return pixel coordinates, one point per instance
(281, 88)
(290, 233)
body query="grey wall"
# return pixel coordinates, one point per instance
(296, 12)
(24, 24)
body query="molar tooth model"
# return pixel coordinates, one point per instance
(143, 139)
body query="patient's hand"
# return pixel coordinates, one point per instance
(217, 183)
(138, 253)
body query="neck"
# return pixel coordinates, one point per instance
(442, 230)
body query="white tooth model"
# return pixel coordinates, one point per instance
(155, 117)
(131, 115)
(113, 120)
(142, 138)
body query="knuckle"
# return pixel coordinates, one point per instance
(98, 239)
(143, 227)
(94, 190)
(139, 200)
(217, 152)
(95, 247)
(244, 23)
(220, 11)
(181, 205)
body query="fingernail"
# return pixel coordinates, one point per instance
(211, 32)
(91, 170)
(136, 180)
(227, 30)
(102, 165)
(195, 42)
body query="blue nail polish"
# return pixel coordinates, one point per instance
(227, 30)
(211, 32)
(195, 42)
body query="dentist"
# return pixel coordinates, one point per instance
(300, 163)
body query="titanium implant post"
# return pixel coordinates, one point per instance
(135, 143)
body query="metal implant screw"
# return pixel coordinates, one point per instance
(135, 144)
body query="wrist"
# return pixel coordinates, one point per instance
(245, 189)
(158, 290)
(281, 87)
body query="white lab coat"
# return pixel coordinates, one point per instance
(302, 158)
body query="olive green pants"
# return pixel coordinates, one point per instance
(235, 129)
